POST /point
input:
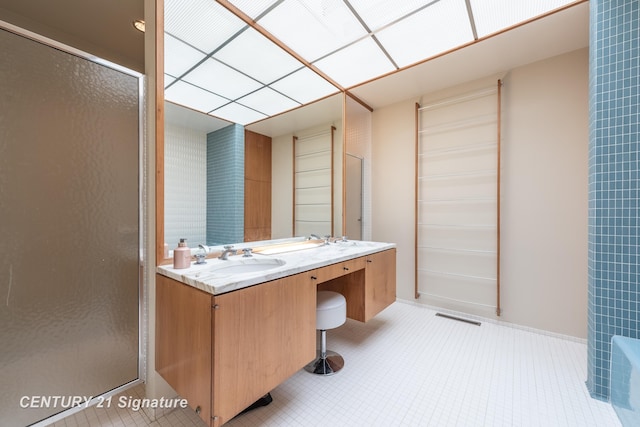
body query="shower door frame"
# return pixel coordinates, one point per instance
(142, 209)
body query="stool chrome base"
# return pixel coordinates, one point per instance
(328, 365)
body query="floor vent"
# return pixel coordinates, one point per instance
(459, 319)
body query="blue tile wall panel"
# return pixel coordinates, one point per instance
(225, 185)
(614, 104)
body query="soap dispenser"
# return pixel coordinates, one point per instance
(182, 255)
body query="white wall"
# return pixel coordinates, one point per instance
(393, 189)
(545, 184)
(544, 192)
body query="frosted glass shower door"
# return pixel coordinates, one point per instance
(69, 227)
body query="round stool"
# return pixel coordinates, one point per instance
(331, 312)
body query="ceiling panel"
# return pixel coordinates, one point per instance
(221, 79)
(238, 114)
(192, 96)
(179, 57)
(357, 63)
(379, 13)
(255, 55)
(204, 24)
(313, 28)
(304, 86)
(495, 15)
(268, 101)
(350, 42)
(433, 30)
(253, 8)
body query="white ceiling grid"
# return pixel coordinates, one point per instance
(217, 64)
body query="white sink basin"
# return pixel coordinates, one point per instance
(245, 265)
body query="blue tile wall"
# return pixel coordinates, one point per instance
(225, 185)
(614, 103)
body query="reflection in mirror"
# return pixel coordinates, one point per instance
(356, 194)
(313, 183)
(186, 173)
(192, 204)
(353, 193)
(313, 122)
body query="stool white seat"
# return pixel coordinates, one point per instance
(331, 312)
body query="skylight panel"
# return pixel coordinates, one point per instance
(436, 29)
(355, 64)
(237, 113)
(203, 24)
(253, 8)
(179, 57)
(495, 15)
(221, 79)
(255, 55)
(378, 13)
(194, 97)
(313, 28)
(268, 101)
(304, 86)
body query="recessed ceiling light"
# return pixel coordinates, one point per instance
(139, 25)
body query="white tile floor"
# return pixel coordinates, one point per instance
(408, 367)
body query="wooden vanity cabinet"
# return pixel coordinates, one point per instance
(183, 342)
(368, 283)
(380, 282)
(222, 353)
(262, 335)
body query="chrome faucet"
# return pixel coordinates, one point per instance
(201, 254)
(314, 236)
(228, 249)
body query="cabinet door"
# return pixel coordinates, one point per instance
(262, 335)
(183, 342)
(380, 282)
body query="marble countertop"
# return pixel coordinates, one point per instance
(207, 277)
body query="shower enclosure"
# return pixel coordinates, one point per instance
(69, 227)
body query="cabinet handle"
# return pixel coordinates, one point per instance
(345, 268)
(369, 260)
(215, 306)
(198, 409)
(314, 278)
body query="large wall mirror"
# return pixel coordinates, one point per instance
(229, 88)
(192, 144)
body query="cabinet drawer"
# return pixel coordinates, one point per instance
(333, 271)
